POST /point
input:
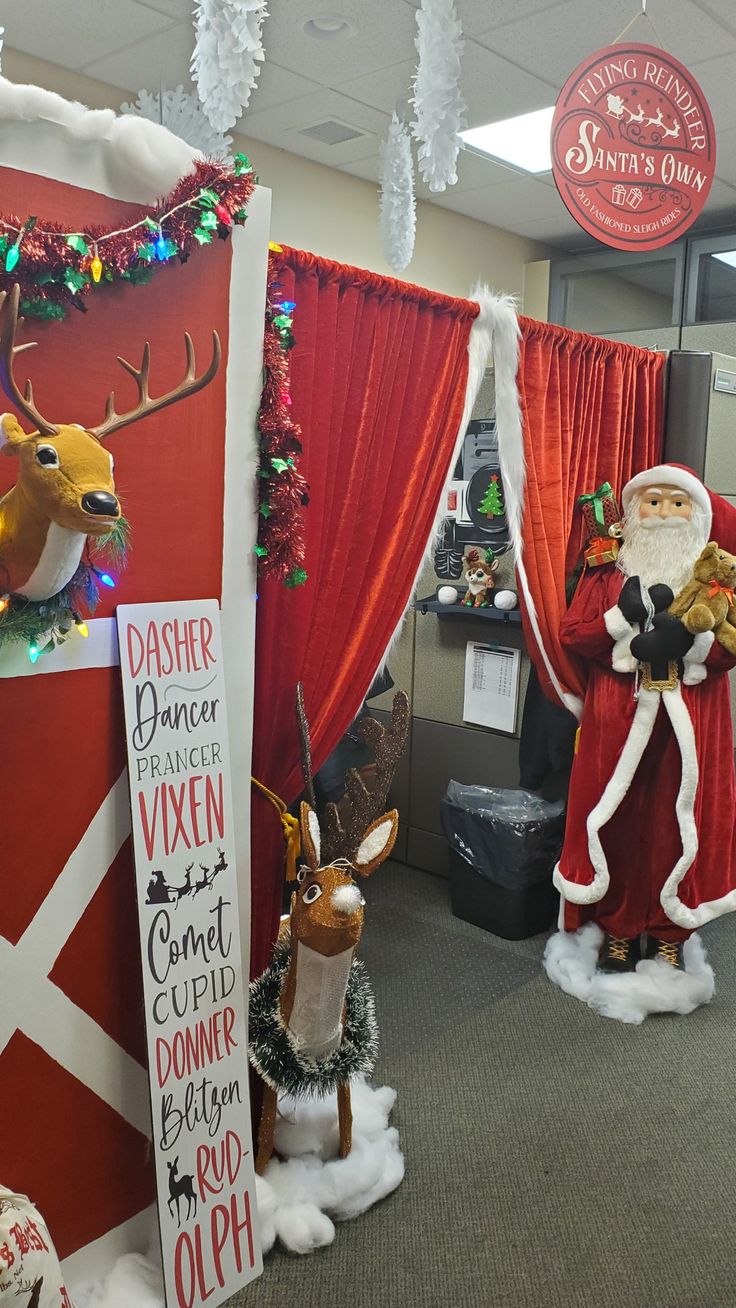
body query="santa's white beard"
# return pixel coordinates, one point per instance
(662, 549)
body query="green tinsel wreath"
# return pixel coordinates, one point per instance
(44, 624)
(273, 1053)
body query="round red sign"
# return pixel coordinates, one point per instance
(633, 147)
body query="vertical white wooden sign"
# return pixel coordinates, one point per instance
(196, 1015)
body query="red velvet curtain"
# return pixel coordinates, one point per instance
(592, 412)
(378, 378)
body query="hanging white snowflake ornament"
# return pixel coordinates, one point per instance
(398, 220)
(182, 113)
(438, 103)
(228, 52)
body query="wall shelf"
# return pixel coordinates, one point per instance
(504, 617)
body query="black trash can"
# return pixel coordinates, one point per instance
(503, 848)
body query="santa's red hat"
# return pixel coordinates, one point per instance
(720, 514)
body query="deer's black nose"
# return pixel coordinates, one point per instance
(101, 503)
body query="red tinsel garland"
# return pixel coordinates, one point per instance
(283, 489)
(55, 274)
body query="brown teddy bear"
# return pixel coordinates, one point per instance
(707, 602)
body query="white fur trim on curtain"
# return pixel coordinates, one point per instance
(611, 799)
(482, 340)
(501, 312)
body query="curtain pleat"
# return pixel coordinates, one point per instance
(378, 379)
(593, 412)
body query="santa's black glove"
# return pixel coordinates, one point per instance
(668, 640)
(630, 602)
(632, 606)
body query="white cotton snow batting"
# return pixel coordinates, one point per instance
(133, 1282)
(570, 960)
(299, 1197)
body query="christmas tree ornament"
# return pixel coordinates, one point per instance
(398, 221)
(439, 107)
(492, 503)
(182, 113)
(227, 56)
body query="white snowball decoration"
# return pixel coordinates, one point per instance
(227, 53)
(182, 113)
(398, 220)
(438, 103)
(506, 599)
(447, 595)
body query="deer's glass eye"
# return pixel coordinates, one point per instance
(47, 456)
(312, 894)
(302, 874)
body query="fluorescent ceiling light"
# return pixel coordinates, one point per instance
(522, 141)
(728, 256)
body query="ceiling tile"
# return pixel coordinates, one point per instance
(384, 33)
(717, 77)
(182, 9)
(722, 10)
(282, 124)
(507, 205)
(560, 38)
(726, 155)
(473, 171)
(474, 14)
(74, 34)
(162, 59)
(493, 88)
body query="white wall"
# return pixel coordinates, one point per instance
(332, 213)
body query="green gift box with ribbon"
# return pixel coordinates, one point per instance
(600, 511)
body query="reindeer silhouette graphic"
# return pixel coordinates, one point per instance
(180, 891)
(205, 881)
(220, 865)
(180, 1186)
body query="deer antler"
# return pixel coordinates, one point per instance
(305, 746)
(188, 386)
(8, 350)
(344, 824)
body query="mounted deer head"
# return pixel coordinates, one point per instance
(65, 489)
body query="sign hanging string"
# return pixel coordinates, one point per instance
(642, 13)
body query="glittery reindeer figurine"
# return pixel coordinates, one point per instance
(312, 1018)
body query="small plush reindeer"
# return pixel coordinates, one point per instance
(317, 1045)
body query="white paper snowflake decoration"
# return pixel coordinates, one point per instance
(182, 113)
(398, 219)
(438, 103)
(228, 52)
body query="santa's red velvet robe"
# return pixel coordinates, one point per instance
(650, 842)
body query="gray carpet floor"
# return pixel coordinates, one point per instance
(555, 1159)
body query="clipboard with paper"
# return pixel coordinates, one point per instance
(491, 685)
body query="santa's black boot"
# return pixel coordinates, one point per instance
(618, 954)
(670, 951)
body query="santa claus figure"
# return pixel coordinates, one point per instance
(650, 851)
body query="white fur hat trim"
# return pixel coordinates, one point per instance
(666, 474)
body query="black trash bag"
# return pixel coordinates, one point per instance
(510, 837)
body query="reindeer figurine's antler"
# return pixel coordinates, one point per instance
(188, 386)
(344, 824)
(23, 400)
